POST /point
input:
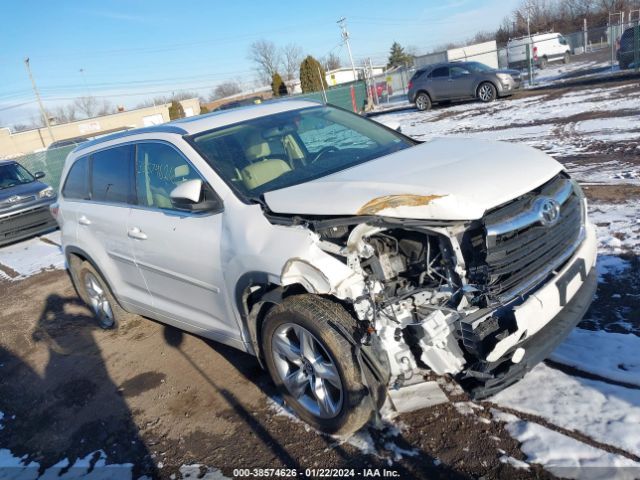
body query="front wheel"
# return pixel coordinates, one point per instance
(423, 102)
(314, 366)
(487, 92)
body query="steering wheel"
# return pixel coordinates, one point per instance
(322, 151)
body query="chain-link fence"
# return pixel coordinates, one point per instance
(352, 96)
(48, 161)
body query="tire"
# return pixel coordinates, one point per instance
(486, 92)
(566, 58)
(326, 364)
(423, 101)
(542, 63)
(94, 291)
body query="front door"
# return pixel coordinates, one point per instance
(462, 82)
(177, 251)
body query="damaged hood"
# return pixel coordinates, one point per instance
(443, 179)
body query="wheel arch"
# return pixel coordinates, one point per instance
(486, 80)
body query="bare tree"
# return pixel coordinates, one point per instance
(92, 107)
(292, 55)
(64, 113)
(331, 62)
(225, 89)
(267, 58)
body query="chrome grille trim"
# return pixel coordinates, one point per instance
(520, 251)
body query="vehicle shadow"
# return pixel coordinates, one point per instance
(388, 448)
(72, 409)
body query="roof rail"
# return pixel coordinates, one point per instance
(164, 128)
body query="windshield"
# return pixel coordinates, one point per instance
(285, 149)
(478, 67)
(12, 174)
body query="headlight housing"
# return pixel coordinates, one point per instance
(46, 193)
(504, 77)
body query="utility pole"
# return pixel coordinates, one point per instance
(345, 37)
(35, 90)
(84, 80)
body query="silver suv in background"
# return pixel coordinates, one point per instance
(349, 259)
(460, 81)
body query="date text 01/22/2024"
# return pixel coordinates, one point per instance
(315, 473)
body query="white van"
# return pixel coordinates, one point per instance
(545, 48)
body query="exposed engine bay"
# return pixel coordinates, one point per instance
(414, 294)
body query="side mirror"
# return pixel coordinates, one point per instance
(186, 196)
(39, 175)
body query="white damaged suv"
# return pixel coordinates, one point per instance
(351, 260)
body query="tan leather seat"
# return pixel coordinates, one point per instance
(262, 172)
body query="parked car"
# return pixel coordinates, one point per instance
(545, 48)
(628, 43)
(460, 81)
(67, 142)
(24, 203)
(341, 253)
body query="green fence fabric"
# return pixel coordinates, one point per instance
(340, 96)
(48, 161)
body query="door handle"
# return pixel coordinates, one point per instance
(84, 220)
(136, 233)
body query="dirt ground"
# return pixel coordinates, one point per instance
(155, 397)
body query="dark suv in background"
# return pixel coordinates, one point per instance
(24, 203)
(460, 81)
(628, 43)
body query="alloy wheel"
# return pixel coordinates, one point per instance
(486, 92)
(307, 371)
(98, 300)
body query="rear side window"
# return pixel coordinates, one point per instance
(77, 185)
(440, 72)
(111, 175)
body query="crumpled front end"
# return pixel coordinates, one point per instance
(464, 299)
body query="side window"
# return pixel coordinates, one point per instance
(111, 175)
(440, 72)
(76, 187)
(562, 40)
(459, 71)
(159, 169)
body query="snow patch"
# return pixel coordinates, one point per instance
(607, 413)
(30, 257)
(610, 355)
(514, 462)
(564, 456)
(195, 471)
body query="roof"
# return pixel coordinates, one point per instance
(208, 121)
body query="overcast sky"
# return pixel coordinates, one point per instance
(129, 50)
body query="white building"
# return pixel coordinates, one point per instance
(345, 74)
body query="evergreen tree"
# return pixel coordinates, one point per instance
(312, 76)
(398, 57)
(176, 110)
(278, 87)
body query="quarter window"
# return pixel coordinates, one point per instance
(76, 186)
(160, 169)
(111, 175)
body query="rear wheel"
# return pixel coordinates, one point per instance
(567, 58)
(95, 292)
(486, 92)
(314, 366)
(542, 63)
(423, 102)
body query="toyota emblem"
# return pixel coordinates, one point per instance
(13, 199)
(548, 211)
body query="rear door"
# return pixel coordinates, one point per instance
(102, 222)
(177, 251)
